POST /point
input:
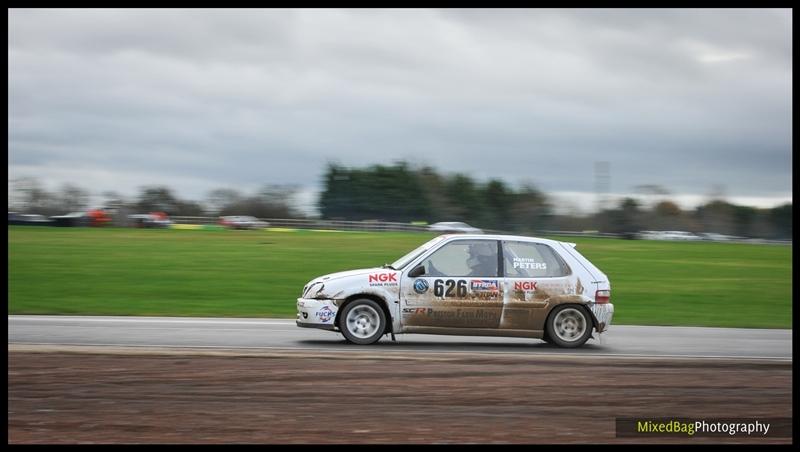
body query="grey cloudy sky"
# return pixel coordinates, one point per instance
(202, 99)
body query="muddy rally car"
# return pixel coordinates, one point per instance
(482, 285)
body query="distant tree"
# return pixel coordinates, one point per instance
(118, 208)
(30, 193)
(664, 215)
(188, 209)
(573, 222)
(432, 185)
(30, 197)
(667, 209)
(653, 192)
(530, 210)
(73, 198)
(389, 193)
(780, 218)
(716, 216)
(157, 199)
(744, 218)
(279, 199)
(498, 199)
(333, 201)
(625, 219)
(18, 195)
(112, 199)
(256, 207)
(402, 193)
(271, 201)
(468, 203)
(220, 198)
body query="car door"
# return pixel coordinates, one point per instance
(457, 289)
(535, 278)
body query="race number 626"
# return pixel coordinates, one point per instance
(445, 288)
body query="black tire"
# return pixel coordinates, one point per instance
(569, 326)
(362, 322)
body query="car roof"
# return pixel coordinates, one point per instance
(516, 238)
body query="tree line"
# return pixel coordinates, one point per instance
(400, 192)
(271, 201)
(404, 193)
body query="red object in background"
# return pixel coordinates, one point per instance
(160, 216)
(98, 218)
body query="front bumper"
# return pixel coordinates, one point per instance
(314, 313)
(602, 314)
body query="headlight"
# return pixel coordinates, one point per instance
(308, 288)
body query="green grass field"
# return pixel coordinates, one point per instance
(261, 273)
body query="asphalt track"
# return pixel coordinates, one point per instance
(283, 334)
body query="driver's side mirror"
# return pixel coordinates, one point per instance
(419, 270)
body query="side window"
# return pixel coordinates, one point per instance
(532, 260)
(463, 258)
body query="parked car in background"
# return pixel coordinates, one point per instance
(668, 235)
(150, 220)
(714, 237)
(98, 217)
(71, 219)
(242, 222)
(648, 235)
(28, 219)
(680, 235)
(454, 227)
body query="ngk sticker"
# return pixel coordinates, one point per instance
(383, 279)
(525, 285)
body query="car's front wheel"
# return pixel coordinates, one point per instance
(569, 326)
(362, 322)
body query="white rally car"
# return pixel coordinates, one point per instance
(465, 284)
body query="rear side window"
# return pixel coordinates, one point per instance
(532, 260)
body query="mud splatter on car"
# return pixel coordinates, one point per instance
(462, 284)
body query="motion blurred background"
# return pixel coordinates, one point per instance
(209, 163)
(517, 120)
(588, 125)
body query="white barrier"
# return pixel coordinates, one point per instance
(316, 224)
(376, 226)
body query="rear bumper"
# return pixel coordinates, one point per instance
(313, 313)
(603, 313)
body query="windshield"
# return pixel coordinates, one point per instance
(403, 261)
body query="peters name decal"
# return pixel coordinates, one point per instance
(529, 264)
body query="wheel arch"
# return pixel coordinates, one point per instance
(571, 303)
(369, 296)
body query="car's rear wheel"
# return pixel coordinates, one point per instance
(362, 322)
(569, 326)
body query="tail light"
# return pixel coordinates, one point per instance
(602, 296)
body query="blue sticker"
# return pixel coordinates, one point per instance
(326, 314)
(420, 286)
